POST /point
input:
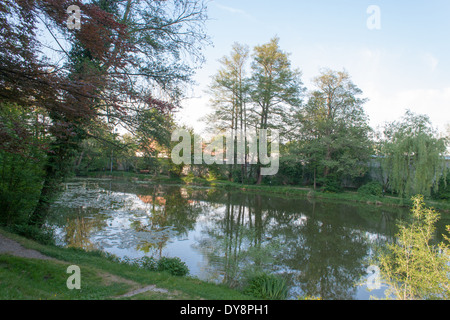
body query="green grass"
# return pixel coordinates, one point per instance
(22, 278)
(298, 191)
(102, 278)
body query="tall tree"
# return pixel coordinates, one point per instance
(276, 88)
(334, 134)
(126, 58)
(413, 155)
(229, 90)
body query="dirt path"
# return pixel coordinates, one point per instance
(14, 248)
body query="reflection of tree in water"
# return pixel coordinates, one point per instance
(171, 210)
(79, 228)
(327, 256)
(321, 246)
(86, 207)
(77, 224)
(235, 243)
(322, 250)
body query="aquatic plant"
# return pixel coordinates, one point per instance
(267, 286)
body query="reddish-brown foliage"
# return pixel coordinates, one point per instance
(71, 97)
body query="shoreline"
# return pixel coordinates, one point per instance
(286, 191)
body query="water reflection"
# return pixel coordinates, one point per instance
(321, 247)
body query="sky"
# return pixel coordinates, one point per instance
(400, 62)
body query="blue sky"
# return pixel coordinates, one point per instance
(403, 65)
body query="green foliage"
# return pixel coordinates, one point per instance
(175, 170)
(267, 286)
(290, 172)
(148, 263)
(229, 91)
(215, 172)
(174, 266)
(334, 139)
(412, 155)
(84, 93)
(413, 267)
(21, 164)
(20, 184)
(307, 297)
(372, 188)
(443, 192)
(42, 235)
(331, 184)
(261, 100)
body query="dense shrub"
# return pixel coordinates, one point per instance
(174, 266)
(416, 267)
(443, 193)
(42, 235)
(371, 189)
(148, 263)
(21, 164)
(267, 286)
(290, 172)
(331, 184)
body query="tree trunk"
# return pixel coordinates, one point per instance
(326, 170)
(37, 218)
(314, 178)
(80, 158)
(59, 164)
(258, 175)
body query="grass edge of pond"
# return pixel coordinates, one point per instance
(31, 281)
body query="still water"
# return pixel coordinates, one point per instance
(323, 248)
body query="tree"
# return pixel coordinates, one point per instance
(334, 134)
(275, 86)
(229, 90)
(413, 155)
(22, 154)
(275, 89)
(413, 267)
(101, 72)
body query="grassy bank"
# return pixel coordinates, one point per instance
(296, 191)
(286, 191)
(102, 278)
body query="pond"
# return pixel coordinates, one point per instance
(323, 248)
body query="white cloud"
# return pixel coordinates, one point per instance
(433, 102)
(393, 86)
(230, 9)
(235, 11)
(192, 112)
(431, 61)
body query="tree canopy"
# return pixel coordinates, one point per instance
(125, 61)
(334, 135)
(413, 155)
